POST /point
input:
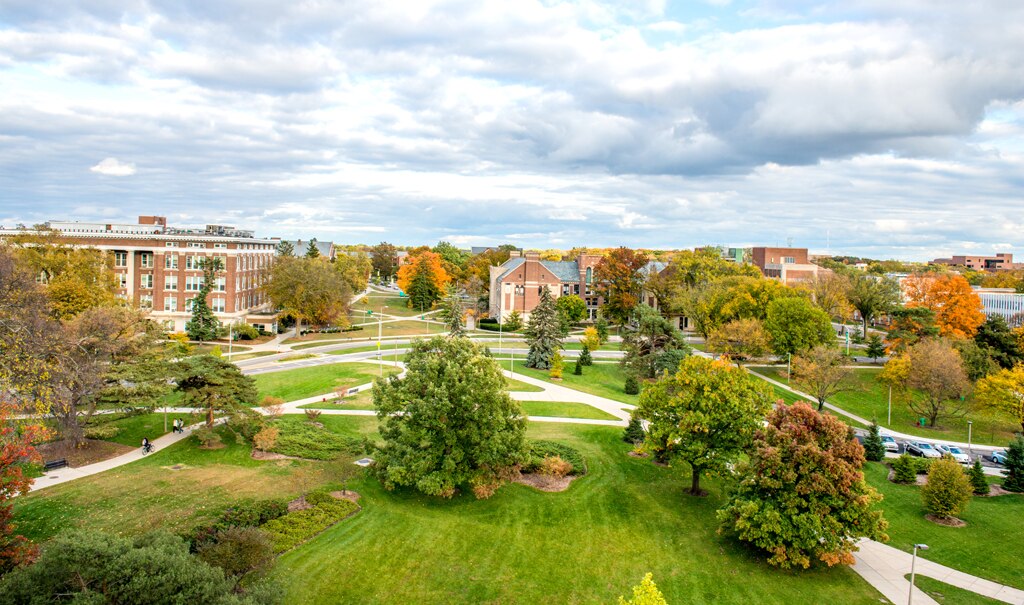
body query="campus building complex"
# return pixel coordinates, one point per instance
(516, 285)
(159, 267)
(999, 262)
(1002, 301)
(788, 265)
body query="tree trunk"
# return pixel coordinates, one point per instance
(821, 404)
(865, 333)
(209, 416)
(695, 489)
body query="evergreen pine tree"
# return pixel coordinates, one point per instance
(1014, 472)
(602, 329)
(904, 469)
(452, 314)
(876, 348)
(513, 322)
(286, 249)
(203, 325)
(978, 482)
(312, 251)
(543, 332)
(874, 448)
(423, 291)
(632, 387)
(585, 357)
(578, 370)
(634, 432)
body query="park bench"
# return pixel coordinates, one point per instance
(55, 464)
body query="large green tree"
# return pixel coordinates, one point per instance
(384, 259)
(1003, 392)
(213, 384)
(543, 332)
(872, 296)
(355, 269)
(448, 421)
(620, 282)
(795, 324)
(822, 372)
(802, 496)
(652, 345)
(704, 414)
(999, 341)
(204, 325)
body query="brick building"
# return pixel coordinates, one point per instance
(999, 262)
(516, 284)
(788, 265)
(158, 267)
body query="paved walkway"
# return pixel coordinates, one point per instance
(885, 568)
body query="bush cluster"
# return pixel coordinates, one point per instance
(245, 513)
(904, 469)
(304, 440)
(632, 386)
(293, 529)
(540, 450)
(330, 330)
(103, 431)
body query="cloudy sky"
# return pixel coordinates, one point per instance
(875, 127)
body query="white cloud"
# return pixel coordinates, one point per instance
(114, 167)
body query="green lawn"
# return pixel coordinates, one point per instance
(363, 400)
(392, 305)
(564, 410)
(316, 380)
(868, 399)
(949, 595)
(134, 428)
(982, 548)
(243, 356)
(519, 385)
(603, 380)
(370, 329)
(589, 544)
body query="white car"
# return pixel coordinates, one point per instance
(956, 453)
(890, 444)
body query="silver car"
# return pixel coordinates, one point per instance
(922, 449)
(956, 453)
(890, 444)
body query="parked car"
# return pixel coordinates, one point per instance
(890, 444)
(922, 449)
(956, 453)
(999, 456)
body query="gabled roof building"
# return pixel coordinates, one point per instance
(516, 285)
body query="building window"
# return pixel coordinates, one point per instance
(146, 301)
(147, 260)
(788, 260)
(576, 289)
(171, 282)
(220, 245)
(221, 285)
(193, 283)
(188, 304)
(590, 275)
(196, 245)
(120, 259)
(146, 281)
(122, 280)
(170, 303)
(217, 304)
(172, 244)
(171, 261)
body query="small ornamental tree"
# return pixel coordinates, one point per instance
(1014, 472)
(904, 469)
(948, 489)
(543, 332)
(634, 432)
(705, 414)
(978, 482)
(802, 497)
(513, 322)
(578, 369)
(448, 421)
(632, 386)
(16, 449)
(646, 593)
(938, 372)
(821, 372)
(874, 447)
(556, 366)
(876, 347)
(452, 314)
(585, 358)
(572, 308)
(590, 340)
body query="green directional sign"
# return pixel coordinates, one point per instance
(369, 312)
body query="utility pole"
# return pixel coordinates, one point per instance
(889, 422)
(380, 328)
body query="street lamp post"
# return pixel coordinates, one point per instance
(970, 450)
(789, 366)
(913, 561)
(889, 422)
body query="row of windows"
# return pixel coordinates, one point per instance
(121, 259)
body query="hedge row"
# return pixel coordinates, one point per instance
(293, 529)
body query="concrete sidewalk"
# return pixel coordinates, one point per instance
(886, 568)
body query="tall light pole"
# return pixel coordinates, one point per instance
(913, 561)
(969, 448)
(789, 366)
(380, 326)
(889, 421)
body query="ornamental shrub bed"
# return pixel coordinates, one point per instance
(539, 450)
(293, 529)
(245, 513)
(306, 440)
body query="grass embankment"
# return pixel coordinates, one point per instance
(563, 409)
(604, 380)
(390, 305)
(950, 595)
(363, 400)
(868, 398)
(981, 548)
(317, 380)
(369, 331)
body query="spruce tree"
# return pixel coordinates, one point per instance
(285, 248)
(203, 325)
(904, 469)
(585, 357)
(874, 448)
(1014, 472)
(452, 314)
(543, 332)
(312, 251)
(634, 432)
(875, 348)
(578, 370)
(978, 481)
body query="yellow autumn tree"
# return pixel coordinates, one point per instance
(956, 306)
(1004, 391)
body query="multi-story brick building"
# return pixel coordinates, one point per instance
(788, 265)
(158, 267)
(516, 284)
(999, 262)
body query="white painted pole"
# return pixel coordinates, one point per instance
(889, 422)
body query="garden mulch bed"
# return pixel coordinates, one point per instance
(92, 450)
(545, 483)
(945, 521)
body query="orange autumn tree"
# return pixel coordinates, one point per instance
(423, 279)
(956, 306)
